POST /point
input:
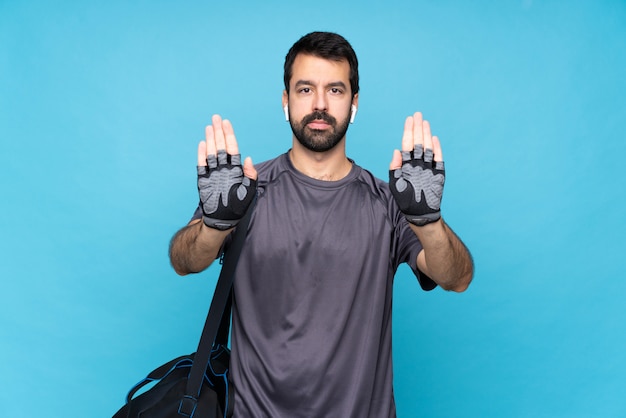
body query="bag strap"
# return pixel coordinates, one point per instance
(218, 317)
(224, 329)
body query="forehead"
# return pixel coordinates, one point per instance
(320, 70)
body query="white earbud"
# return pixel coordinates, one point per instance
(353, 113)
(286, 109)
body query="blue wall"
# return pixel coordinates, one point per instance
(102, 105)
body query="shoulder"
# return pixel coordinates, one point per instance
(380, 191)
(374, 185)
(271, 169)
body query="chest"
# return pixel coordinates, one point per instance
(294, 220)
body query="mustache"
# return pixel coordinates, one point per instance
(319, 116)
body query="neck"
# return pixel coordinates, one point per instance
(331, 165)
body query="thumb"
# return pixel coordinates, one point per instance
(248, 169)
(396, 161)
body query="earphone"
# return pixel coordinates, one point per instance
(353, 113)
(286, 109)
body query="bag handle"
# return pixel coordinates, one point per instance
(158, 374)
(218, 318)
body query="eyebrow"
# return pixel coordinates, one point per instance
(310, 83)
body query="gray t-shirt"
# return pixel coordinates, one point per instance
(311, 330)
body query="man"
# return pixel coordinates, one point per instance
(311, 333)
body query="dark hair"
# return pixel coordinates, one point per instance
(325, 45)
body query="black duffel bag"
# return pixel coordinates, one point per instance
(196, 385)
(167, 397)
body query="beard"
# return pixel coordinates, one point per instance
(319, 140)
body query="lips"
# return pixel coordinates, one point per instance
(318, 120)
(318, 124)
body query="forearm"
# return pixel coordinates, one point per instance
(195, 247)
(445, 258)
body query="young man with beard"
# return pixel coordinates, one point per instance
(311, 330)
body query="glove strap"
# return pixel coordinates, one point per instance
(220, 224)
(424, 219)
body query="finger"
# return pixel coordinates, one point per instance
(437, 149)
(209, 134)
(229, 136)
(427, 135)
(407, 136)
(220, 142)
(202, 154)
(248, 169)
(428, 142)
(418, 133)
(396, 160)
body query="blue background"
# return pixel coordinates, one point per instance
(102, 104)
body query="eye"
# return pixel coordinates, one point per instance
(336, 90)
(304, 90)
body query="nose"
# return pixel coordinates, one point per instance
(320, 102)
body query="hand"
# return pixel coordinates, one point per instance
(417, 174)
(226, 187)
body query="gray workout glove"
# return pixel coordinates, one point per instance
(225, 193)
(418, 186)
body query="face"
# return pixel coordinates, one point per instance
(319, 101)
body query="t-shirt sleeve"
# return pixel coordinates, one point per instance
(197, 214)
(408, 248)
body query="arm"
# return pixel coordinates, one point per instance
(445, 259)
(226, 189)
(416, 180)
(194, 247)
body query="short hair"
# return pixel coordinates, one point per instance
(327, 45)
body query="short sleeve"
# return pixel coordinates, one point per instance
(409, 246)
